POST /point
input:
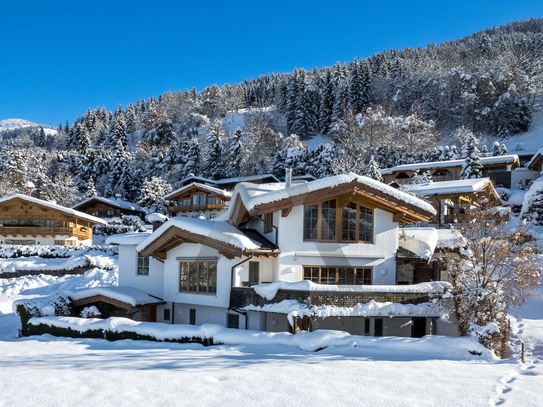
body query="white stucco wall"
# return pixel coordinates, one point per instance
(295, 253)
(171, 276)
(152, 284)
(523, 173)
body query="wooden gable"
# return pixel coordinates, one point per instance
(197, 189)
(354, 191)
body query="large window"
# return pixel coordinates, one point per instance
(338, 275)
(321, 222)
(198, 277)
(45, 223)
(12, 222)
(143, 265)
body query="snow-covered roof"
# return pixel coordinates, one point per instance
(112, 202)
(452, 163)
(269, 291)
(156, 217)
(215, 230)
(129, 295)
(245, 179)
(280, 192)
(450, 239)
(369, 309)
(537, 156)
(68, 211)
(208, 188)
(130, 238)
(420, 241)
(461, 186)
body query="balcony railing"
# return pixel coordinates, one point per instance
(45, 231)
(457, 218)
(196, 208)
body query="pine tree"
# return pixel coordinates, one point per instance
(214, 167)
(373, 171)
(484, 151)
(40, 139)
(194, 159)
(503, 150)
(235, 155)
(496, 149)
(472, 166)
(91, 190)
(152, 196)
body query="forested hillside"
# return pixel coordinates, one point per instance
(395, 106)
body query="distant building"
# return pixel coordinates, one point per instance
(106, 208)
(498, 169)
(25, 220)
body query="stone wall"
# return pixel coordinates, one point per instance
(405, 272)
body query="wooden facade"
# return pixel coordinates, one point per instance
(22, 219)
(446, 172)
(103, 209)
(198, 198)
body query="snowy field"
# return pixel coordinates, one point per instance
(432, 371)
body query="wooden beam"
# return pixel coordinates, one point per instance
(285, 212)
(102, 298)
(159, 255)
(397, 217)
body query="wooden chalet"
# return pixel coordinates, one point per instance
(196, 197)
(25, 220)
(453, 200)
(498, 169)
(101, 207)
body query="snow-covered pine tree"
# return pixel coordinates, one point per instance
(373, 171)
(496, 149)
(471, 168)
(327, 103)
(152, 196)
(484, 151)
(235, 155)
(91, 190)
(194, 159)
(503, 150)
(40, 138)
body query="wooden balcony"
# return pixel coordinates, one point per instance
(459, 217)
(196, 208)
(35, 231)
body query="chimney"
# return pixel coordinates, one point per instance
(29, 185)
(288, 177)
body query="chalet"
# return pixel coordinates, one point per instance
(228, 184)
(25, 220)
(314, 255)
(454, 200)
(107, 208)
(199, 198)
(498, 169)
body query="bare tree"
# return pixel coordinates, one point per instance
(498, 270)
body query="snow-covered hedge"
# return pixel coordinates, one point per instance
(53, 305)
(51, 252)
(109, 230)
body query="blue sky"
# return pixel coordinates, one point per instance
(57, 58)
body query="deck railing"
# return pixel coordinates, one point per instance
(196, 208)
(45, 231)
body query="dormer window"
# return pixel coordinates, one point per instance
(322, 223)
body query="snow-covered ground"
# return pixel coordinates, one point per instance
(431, 371)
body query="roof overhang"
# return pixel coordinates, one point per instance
(354, 191)
(65, 211)
(197, 187)
(175, 236)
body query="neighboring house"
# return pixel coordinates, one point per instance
(315, 255)
(107, 208)
(454, 200)
(30, 221)
(228, 184)
(198, 198)
(498, 169)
